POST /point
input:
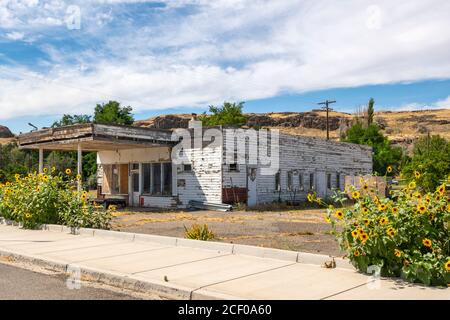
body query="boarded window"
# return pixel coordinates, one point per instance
(290, 181)
(338, 180)
(311, 181)
(329, 181)
(301, 185)
(187, 168)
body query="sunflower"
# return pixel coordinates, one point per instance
(310, 197)
(45, 170)
(391, 232)
(356, 194)
(397, 253)
(356, 253)
(421, 208)
(389, 169)
(363, 237)
(327, 219)
(365, 210)
(339, 214)
(365, 187)
(428, 199)
(382, 206)
(417, 174)
(53, 169)
(38, 189)
(366, 222)
(78, 177)
(394, 210)
(447, 265)
(427, 242)
(441, 189)
(412, 185)
(84, 193)
(354, 233)
(384, 221)
(28, 216)
(68, 171)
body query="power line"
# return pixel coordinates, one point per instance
(328, 109)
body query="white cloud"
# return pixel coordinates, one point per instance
(237, 50)
(15, 35)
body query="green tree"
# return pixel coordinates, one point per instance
(229, 114)
(113, 113)
(384, 154)
(431, 158)
(68, 120)
(370, 111)
(13, 160)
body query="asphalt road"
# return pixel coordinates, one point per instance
(22, 284)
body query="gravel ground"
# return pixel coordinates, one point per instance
(300, 230)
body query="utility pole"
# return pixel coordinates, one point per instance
(328, 109)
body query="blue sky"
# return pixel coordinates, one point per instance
(183, 55)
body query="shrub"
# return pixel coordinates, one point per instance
(199, 232)
(50, 199)
(408, 237)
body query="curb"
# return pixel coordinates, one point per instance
(135, 283)
(241, 249)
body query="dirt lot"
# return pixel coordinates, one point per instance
(300, 230)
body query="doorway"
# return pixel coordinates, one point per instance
(135, 184)
(251, 187)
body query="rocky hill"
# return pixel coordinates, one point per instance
(5, 135)
(5, 132)
(402, 127)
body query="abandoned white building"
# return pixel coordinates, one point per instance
(137, 164)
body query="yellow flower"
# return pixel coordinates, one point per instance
(427, 242)
(45, 170)
(354, 233)
(417, 174)
(389, 169)
(68, 171)
(310, 197)
(441, 189)
(391, 232)
(421, 208)
(339, 214)
(356, 194)
(38, 189)
(412, 185)
(428, 199)
(366, 222)
(382, 206)
(356, 253)
(17, 176)
(447, 265)
(397, 253)
(365, 210)
(394, 210)
(78, 177)
(384, 221)
(363, 237)
(365, 187)
(28, 216)
(53, 169)
(327, 219)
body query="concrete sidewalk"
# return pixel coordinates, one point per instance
(188, 269)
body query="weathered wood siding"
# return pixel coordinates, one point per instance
(204, 181)
(304, 156)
